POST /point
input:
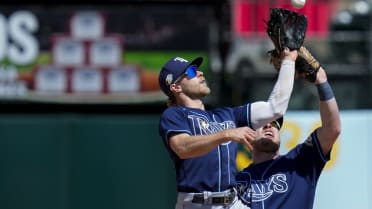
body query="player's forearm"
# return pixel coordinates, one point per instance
(330, 116)
(279, 97)
(277, 104)
(329, 111)
(186, 146)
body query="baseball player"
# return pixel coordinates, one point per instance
(276, 181)
(203, 143)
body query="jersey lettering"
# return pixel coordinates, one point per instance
(261, 190)
(204, 126)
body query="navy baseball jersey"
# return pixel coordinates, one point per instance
(288, 181)
(216, 170)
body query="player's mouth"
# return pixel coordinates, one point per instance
(268, 133)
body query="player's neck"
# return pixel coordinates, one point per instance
(260, 157)
(191, 103)
(194, 104)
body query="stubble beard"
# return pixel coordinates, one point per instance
(266, 145)
(205, 90)
(200, 94)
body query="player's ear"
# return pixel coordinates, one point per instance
(175, 88)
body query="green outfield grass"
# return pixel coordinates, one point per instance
(147, 60)
(152, 61)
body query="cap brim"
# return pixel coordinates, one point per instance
(197, 61)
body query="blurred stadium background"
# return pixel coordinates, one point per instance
(80, 103)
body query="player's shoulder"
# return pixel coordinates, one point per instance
(230, 109)
(222, 109)
(170, 109)
(174, 110)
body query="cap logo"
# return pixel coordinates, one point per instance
(169, 79)
(180, 59)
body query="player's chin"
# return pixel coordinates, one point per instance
(206, 90)
(266, 145)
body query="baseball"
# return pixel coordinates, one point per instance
(298, 3)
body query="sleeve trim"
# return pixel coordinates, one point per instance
(315, 139)
(175, 131)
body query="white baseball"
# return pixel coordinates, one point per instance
(298, 3)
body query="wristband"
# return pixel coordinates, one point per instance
(325, 91)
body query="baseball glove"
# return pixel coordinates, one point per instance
(286, 29)
(306, 65)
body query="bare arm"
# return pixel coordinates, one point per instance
(187, 146)
(277, 104)
(330, 117)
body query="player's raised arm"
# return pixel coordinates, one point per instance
(309, 68)
(287, 30)
(329, 113)
(277, 104)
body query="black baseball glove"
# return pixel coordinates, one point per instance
(286, 29)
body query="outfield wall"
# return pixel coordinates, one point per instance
(83, 162)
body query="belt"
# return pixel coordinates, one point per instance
(225, 199)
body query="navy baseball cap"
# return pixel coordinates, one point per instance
(174, 69)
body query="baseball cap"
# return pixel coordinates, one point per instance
(173, 69)
(279, 122)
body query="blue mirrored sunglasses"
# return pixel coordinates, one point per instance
(190, 72)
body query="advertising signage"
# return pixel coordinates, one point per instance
(95, 53)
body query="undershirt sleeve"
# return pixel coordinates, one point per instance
(275, 107)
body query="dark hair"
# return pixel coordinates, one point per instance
(171, 100)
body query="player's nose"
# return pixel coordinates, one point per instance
(267, 125)
(199, 73)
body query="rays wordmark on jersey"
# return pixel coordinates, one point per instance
(260, 190)
(204, 126)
